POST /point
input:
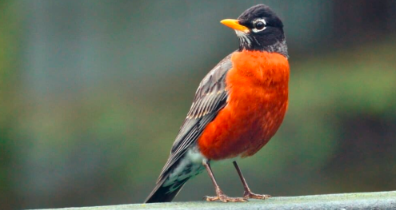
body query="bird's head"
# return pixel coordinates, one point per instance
(259, 28)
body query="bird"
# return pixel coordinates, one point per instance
(238, 106)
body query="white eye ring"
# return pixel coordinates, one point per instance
(255, 30)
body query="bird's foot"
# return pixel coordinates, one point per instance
(250, 194)
(224, 198)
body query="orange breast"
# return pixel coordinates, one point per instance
(258, 100)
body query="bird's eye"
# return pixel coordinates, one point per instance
(259, 25)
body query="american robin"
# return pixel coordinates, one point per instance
(237, 108)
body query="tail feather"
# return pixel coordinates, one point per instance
(171, 181)
(163, 193)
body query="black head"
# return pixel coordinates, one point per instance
(259, 28)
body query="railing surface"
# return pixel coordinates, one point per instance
(372, 200)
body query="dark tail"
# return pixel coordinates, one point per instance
(162, 193)
(172, 178)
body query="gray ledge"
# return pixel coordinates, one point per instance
(373, 200)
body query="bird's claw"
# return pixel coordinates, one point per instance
(224, 198)
(248, 195)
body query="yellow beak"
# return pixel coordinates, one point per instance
(234, 25)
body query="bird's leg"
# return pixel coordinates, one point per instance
(247, 192)
(219, 194)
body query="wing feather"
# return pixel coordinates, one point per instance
(210, 98)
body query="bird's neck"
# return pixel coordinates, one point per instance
(279, 46)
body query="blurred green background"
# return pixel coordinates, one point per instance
(92, 94)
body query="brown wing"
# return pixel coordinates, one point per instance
(211, 96)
